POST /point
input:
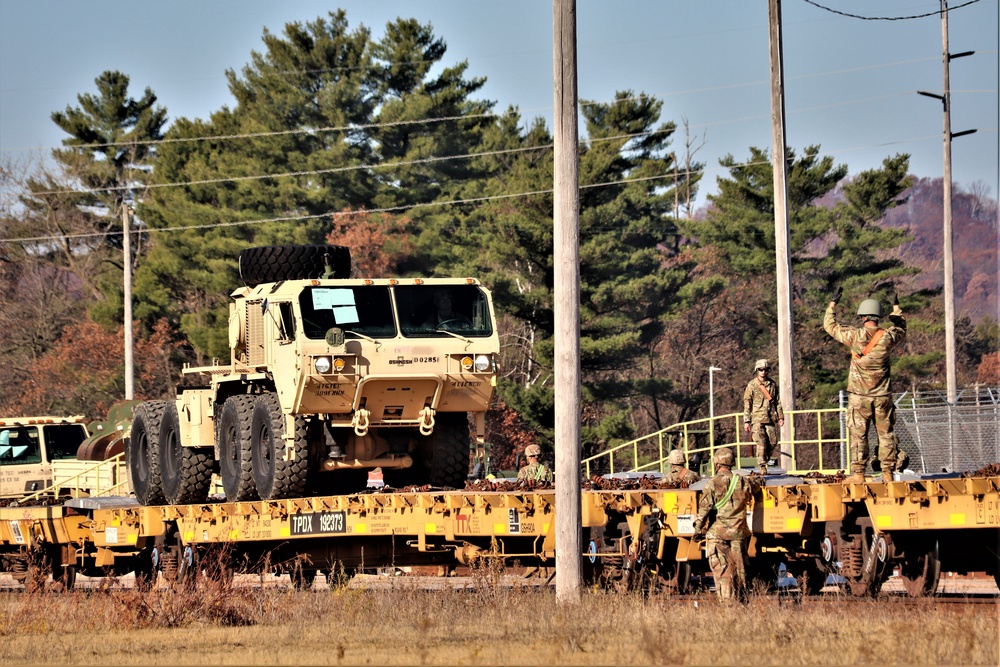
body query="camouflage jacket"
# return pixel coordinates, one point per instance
(869, 375)
(537, 472)
(680, 474)
(726, 518)
(756, 408)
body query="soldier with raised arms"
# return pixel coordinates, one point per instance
(868, 391)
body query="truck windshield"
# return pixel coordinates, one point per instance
(427, 311)
(19, 445)
(366, 310)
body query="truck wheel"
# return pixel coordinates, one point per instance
(444, 454)
(142, 455)
(235, 451)
(186, 472)
(269, 264)
(276, 478)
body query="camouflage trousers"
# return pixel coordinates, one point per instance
(861, 411)
(728, 560)
(765, 436)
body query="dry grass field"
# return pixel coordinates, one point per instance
(485, 624)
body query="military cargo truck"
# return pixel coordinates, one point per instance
(329, 377)
(29, 446)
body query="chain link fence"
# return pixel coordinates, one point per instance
(940, 437)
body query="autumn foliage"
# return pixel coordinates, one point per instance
(377, 241)
(83, 373)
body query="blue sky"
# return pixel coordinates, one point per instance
(850, 84)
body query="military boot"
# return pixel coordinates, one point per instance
(887, 473)
(857, 476)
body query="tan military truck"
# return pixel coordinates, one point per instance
(29, 446)
(329, 378)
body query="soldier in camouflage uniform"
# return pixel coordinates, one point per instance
(722, 522)
(868, 393)
(535, 470)
(679, 473)
(761, 411)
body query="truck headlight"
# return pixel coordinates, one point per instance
(482, 363)
(322, 365)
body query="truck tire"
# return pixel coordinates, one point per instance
(444, 454)
(185, 472)
(235, 450)
(270, 264)
(275, 477)
(142, 456)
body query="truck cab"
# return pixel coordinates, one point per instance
(28, 447)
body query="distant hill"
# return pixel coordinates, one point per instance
(974, 239)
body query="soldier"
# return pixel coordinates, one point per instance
(761, 411)
(868, 393)
(679, 473)
(722, 522)
(534, 470)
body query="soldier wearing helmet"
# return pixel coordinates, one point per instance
(868, 391)
(722, 522)
(534, 470)
(762, 412)
(679, 473)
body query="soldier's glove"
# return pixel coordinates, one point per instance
(896, 310)
(836, 295)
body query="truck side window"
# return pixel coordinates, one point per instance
(287, 320)
(63, 440)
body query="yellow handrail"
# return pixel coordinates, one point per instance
(73, 483)
(685, 436)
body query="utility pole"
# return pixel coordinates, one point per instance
(566, 309)
(127, 297)
(782, 237)
(949, 266)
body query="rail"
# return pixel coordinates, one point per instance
(817, 443)
(102, 478)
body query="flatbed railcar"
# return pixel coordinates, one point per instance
(634, 538)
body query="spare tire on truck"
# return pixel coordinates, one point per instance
(271, 264)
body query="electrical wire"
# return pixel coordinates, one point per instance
(888, 18)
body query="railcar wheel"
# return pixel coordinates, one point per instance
(142, 455)
(186, 472)
(275, 477)
(921, 572)
(236, 450)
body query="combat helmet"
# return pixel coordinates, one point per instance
(871, 308)
(724, 457)
(676, 457)
(532, 450)
(762, 363)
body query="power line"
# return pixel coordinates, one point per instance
(406, 207)
(348, 128)
(254, 135)
(887, 18)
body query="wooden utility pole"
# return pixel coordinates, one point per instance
(566, 310)
(949, 265)
(127, 298)
(782, 237)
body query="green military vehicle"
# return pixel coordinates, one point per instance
(329, 378)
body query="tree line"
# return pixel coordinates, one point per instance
(341, 136)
